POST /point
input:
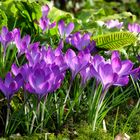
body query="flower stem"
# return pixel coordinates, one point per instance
(98, 109)
(34, 116)
(7, 117)
(43, 110)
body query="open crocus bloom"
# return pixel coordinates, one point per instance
(11, 85)
(44, 80)
(111, 72)
(65, 30)
(76, 62)
(122, 68)
(79, 41)
(33, 54)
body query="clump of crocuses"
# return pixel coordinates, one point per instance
(45, 68)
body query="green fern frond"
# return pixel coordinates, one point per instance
(115, 40)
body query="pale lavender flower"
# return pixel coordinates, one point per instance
(114, 24)
(134, 27)
(65, 30)
(11, 85)
(5, 38)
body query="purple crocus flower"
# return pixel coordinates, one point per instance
(122, 68)
(5, 38)
(112, 72)
(81, 42)
(44, 22)
(21, 43)
(76, 62)
(103, 71)
(33, 54)
(65, 30)
(134, 27)
(11, 85)
(55, 57)
(44, 80)
(114, 23)
(38, 82)
(24, 70)
(86, 74)
(136, 73)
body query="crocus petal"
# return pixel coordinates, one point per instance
(61, 27)
(115, 54)
(8, 79)
(14, 69)
(45, 9)
(69, 55)
(4, 90)
(69, 29)
(52, 25)
(39, 74)
(86, 74)
(16, 32)
(106, 74)
(9, 36)
(85, 40)
(122, 81)
(97, 59)
(19, 80)
(127, 66)
(116, 64)
(4, 31)
(13, 86)
(26, 39)
(32, 81)
(44, 23)
(42, 88)
(29, 88)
